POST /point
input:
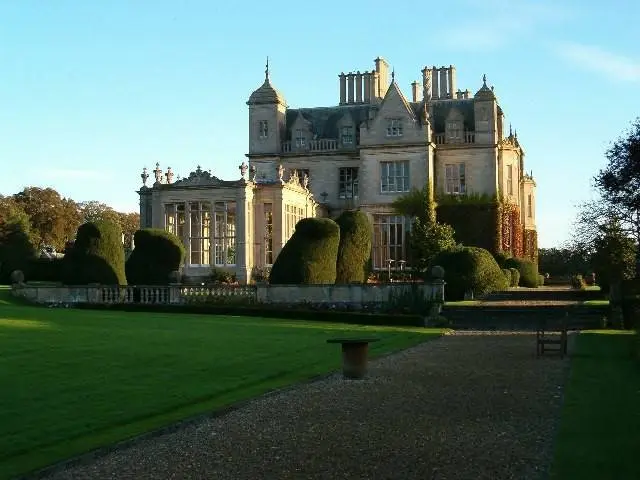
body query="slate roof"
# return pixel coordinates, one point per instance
(266, 94)
(323, 121)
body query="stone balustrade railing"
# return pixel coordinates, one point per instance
(177, 294)
(467, 137)
(321, 145)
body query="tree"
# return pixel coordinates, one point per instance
(619, 183)
(53, 218)
(427, 237)
(93, 211)
(157, 254)
(17, 244)
(613, 256)
(130, 223)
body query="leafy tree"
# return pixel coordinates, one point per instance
(53, 218)
(619, 183)
(427, 237)
(130, 223)
(93, 211)
(613, 256)
(563, 261)
(17, 244)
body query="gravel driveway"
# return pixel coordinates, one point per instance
(467, 406)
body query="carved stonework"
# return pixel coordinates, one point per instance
(243, 170)
(293, 178)
(305, 181)
(280, 172)
(144, 176)
(158, 173)
(169, 175)
(253, 173)
(199, 177)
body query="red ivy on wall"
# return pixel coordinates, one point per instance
(531, 244)
(512, 230)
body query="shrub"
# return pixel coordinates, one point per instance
(501, 258)
(45, 270)
(577, 282)
(309, 257)
(528, 271)
(260, 274)
(354, 250)
(157, 253)
(97, 256)
(507, 275)
(218, 275)
(540, 280)
(515, 277)
(470, 268)
(16, 250)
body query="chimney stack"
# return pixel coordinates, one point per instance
(343, 88)
(444, 93)
(350, 86)
(367, 86)
(436, 82)
(382, 69)
(358, 87)
(414, 91)
(453, 83)
(427, 87)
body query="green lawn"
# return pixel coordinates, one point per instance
(72, 380)
(600, 427)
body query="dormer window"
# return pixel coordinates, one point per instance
(300, 138)
(347, 135)
(394, 127)
(453, 130)
(263, 131)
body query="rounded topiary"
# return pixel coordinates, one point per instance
(156, 255)
(515, 277)
(470, 269)
(528, 271)
(97, 255)
(507, 275)
(17, 277)
(309, 257)
(354, 250)
(540, 280)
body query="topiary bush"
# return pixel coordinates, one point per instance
(97, 256)
(45, 270)
(501, 258)
(310, 255)
(354, 250)
(470, 269)
(577, 282)
(540, 280)
(528, 271)
(515, 277)
(507, 275)
(157, 253)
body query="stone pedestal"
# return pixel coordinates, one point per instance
(355, 353)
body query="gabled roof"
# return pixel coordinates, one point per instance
(395, 90)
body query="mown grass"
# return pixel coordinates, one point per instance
(73, 380)
(600, 425)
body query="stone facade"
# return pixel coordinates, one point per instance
(371, 148)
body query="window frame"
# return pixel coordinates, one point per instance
(395, 127)
(263, 129)
(395, 172)
(457, 181)
(348, 182)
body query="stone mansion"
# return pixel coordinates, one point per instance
(372, 147)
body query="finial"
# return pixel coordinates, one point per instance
(484, 79)
(266, 71)
(510, 131)
(144, 176)
(393, 75)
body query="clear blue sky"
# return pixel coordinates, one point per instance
(92, 91)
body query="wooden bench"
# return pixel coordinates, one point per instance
(354, 355)
(552, 334)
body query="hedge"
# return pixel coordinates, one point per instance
(354, 250)
(309, 257)
(470, 269)
(515, 277)
(156, 255)
(528, 271)
(474, 224)
(97, 256)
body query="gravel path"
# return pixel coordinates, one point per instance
(467, 406)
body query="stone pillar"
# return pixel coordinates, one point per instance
(443, 83)
(358, 87)
(350, 87)
(367, 87)
(375, 85)
(436, 82)
(343, 88)
(187, 233)
(244, 201)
